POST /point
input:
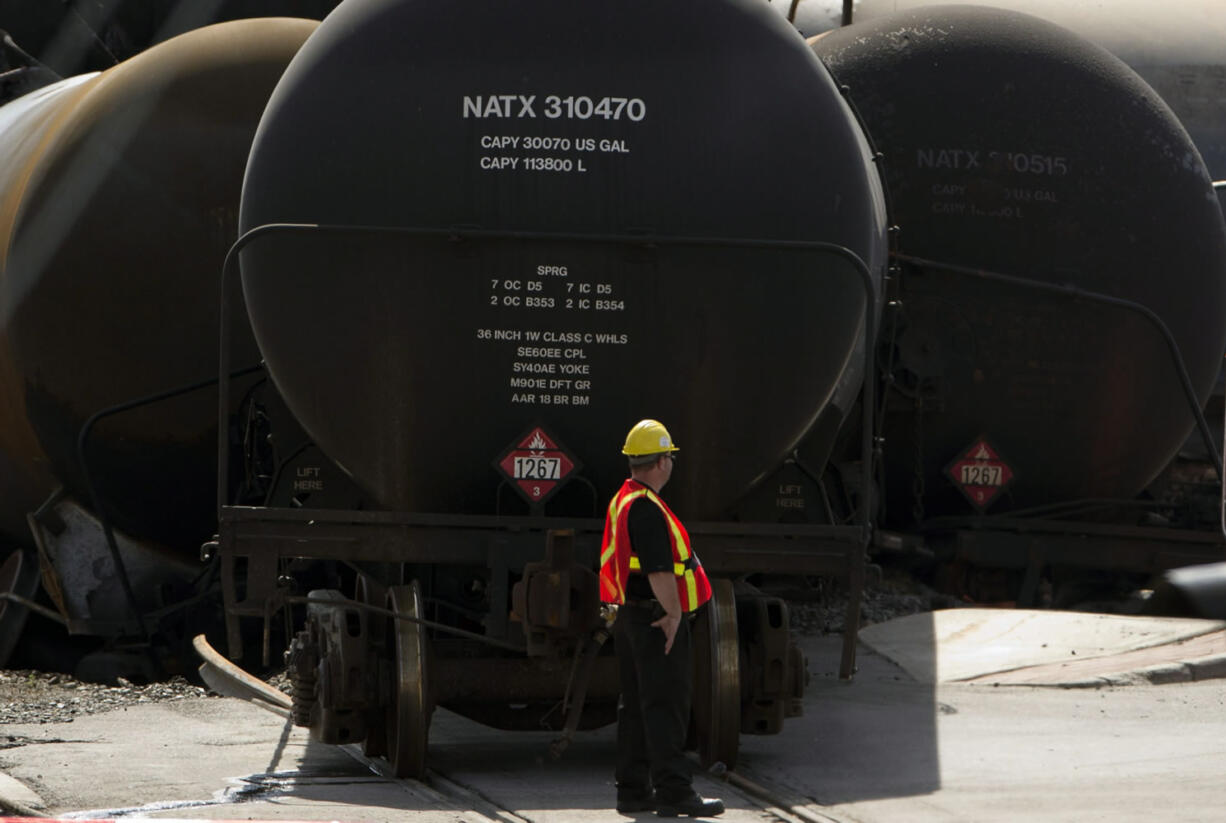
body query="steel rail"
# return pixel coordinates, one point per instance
(232, 681)
(225, 678)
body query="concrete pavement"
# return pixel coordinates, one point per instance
(922, 733)
(1019, 646)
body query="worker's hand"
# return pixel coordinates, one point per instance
(668, 624)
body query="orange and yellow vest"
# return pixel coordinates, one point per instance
(617, 560)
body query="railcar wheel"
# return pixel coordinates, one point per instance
(410, 708)
(373, 594)
(19, 576)
(717, 679)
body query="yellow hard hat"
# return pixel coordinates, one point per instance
(648, 437)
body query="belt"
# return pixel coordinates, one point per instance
(653, 603)
(679, 569)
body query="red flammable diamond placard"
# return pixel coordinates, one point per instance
(537, 465)
(980, 473)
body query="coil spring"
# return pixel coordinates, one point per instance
(304, 677)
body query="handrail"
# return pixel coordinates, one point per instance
(865, 520)
(1077, 293)
(96, 499)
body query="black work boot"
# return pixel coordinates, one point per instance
(692, 806)
(629, 801)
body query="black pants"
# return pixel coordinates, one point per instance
(654, 714)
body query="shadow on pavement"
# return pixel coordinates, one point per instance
(873, 737)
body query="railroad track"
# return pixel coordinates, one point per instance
(771, 802)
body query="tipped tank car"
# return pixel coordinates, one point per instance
(119, 196)
(921, 284)
(58, 40)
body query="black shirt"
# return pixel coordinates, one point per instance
(649, 541)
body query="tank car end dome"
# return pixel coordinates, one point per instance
(555, 144)
(1014, 146)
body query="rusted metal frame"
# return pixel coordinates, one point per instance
(861, 533)
(480, 546)
(1075, 293)
(1070, 528)
(724, 550)
(390, 543)
(257, 514)
(265, 542)
(261, 589)
(245, 516)
(725, 547)
(1005, 542)
(1062, 511)
(1034, 551)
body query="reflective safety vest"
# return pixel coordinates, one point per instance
(617, 560)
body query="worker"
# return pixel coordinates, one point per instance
(649, 570)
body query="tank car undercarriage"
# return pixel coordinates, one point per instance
(502, 626)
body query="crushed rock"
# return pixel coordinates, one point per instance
(822, 609)
(28, 697)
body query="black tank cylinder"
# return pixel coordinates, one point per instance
(1014, 146)
(417, 360)
(1175, 46)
